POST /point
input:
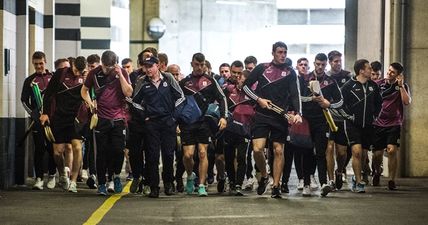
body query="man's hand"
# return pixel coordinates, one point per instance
(264, 103)
(400, 80)
(296, 119)
(222, 123)
(321, 101)
(43, 119)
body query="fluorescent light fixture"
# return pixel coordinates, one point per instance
(225, 2)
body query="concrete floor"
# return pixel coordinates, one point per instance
(409, 205)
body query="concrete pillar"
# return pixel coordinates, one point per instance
(415, 54)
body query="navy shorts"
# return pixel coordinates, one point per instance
(276, 129)
(357, 135)
(340, 137)
(195, 133)
(64, 133)
(385, 136)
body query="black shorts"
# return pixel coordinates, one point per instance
(357, 135)
(385, 136)
(276, 129)
(195, 133)
(64, 133)
(340, 136)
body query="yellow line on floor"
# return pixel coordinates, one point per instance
(98, 215)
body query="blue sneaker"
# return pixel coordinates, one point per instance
(353, 184)
(117, 184)
(202, 192)
(360, 188)
(190, 184)
(102, 190)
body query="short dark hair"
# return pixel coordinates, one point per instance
(94, 58)
(109, 58)
(246, 73)
(376, 65)
(208, 64)
(163, 58)
(321, 57)
(59, 61)
(198, 57)
(359, 65)
(126, 61)
(250, 59)
(279, 44)
(39, 55)
(141, 54)
(333, 54)
(80, 63)
(302, 59)
(224, 65)
(397, 66)
(237, 63)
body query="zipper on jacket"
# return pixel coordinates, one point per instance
(365, 104)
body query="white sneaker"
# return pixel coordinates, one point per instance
(39, 184)
(51, 182)
(64, 181)
(300, 185)
(314, 184)
(110, 186)
(72, 187)
(306, 191)
(84, 175)
(250, 184)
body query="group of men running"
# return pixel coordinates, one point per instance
(247, 112)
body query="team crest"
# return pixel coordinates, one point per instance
(80, 81)
(397, 88)
(343, 80)
(165, 84)
(325, 83)
(204, 83)
(370, 88)
(283, 74)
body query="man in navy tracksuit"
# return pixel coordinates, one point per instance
(363, 102)
(159, 95)
(277, 84)
(206, 91)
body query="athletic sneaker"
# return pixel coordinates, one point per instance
(238, 190)
(146, 190)
(64, 181)
(134, 186)
(221, 185)
(365, 177)
(339, 180)
(314, 184)
(92, 182)
(102, 190)
(284, 188)
(129, 177)
(250, 184)
(201, 191)
(72, 187)
(261, 189)
(376, 179)
(117, 184)
(110, 186)
(276, 193)
(306, 191)
(300, 185)
(51, 182)
(353, 184)
(360, 188)
(84, 175)
(39, 184)
(190, 184)
(325, 189)
(391, 185)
